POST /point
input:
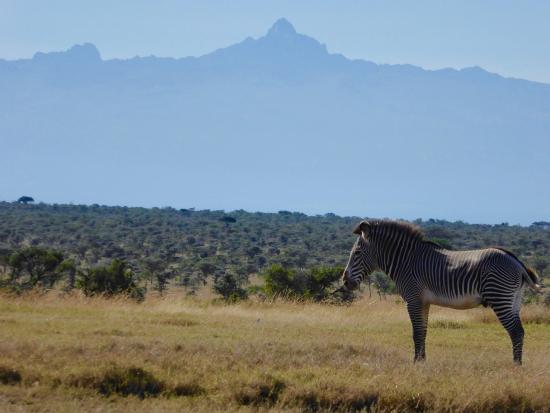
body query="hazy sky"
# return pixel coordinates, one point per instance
(508, 37)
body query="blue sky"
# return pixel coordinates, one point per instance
(508, 37)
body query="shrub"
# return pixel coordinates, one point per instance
(114, 279)
(34, 266)
(129, 381)
(383, 283)
(266, 392)
(319, 280)
(280, 280)
(9, 376)
(188, 390)
(447, 324)
(229, 288)
(314, 283)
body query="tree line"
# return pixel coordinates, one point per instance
(77, 246)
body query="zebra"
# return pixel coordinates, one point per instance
(426, 273)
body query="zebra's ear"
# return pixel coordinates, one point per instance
(362, 228)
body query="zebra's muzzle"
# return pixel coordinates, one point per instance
(350, 285)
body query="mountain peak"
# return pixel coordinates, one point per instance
(86, 52)
(282, 27)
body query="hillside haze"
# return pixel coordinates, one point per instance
(275, 123)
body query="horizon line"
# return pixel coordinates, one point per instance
(229, 211)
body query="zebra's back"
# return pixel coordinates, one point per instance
(462, 279)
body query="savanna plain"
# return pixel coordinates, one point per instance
(67, 353)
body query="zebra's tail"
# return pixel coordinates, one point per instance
(532, 279)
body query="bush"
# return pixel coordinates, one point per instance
(127, 381)
(383, 283)
(114, 279)
(320, 280)
(266, 392)
(9, 376)
(229, 288)
(281, 281)
(32, 267)
(314, 284)
(188, 390)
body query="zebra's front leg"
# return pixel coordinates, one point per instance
(418, 312)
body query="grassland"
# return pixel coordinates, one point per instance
(67, 354)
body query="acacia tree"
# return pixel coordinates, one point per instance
(25, 200)
(35, 266)
(206, 268)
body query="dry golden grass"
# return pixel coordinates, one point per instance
(182, 354)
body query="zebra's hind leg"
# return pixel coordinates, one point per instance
(512, 323)
(418, 313)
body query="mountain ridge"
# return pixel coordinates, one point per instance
(273, 123)
(281, 29)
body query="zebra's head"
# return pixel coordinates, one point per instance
(361, 261)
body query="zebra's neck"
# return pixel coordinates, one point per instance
(394, 253)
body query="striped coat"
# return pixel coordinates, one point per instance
(425, 274)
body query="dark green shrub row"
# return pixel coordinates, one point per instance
(36, 267)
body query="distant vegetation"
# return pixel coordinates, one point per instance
(118, 249)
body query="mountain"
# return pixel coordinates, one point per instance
(275, 123)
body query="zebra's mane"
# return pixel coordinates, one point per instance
(401, 227)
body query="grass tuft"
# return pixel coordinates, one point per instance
(178, 322)
(9, 376)
(536, 314)
(333, 400)
(265, 392)
(187, 390)
(530, 314)
(127, 381)
(509, 403)
(408, 403)
(447, 324)
(123, 381)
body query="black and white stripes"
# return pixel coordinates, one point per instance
(426, 273)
